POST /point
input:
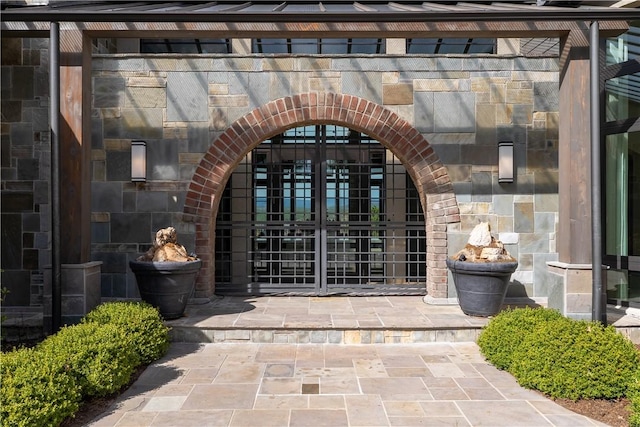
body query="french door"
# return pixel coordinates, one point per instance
(320, 210)
(621, 167)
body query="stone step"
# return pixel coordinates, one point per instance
(322, 336)
(324, 320)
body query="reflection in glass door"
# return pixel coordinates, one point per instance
(622, 213)
(283, 243)
(621, 166)
(320, 209)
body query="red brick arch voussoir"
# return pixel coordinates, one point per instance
(395, 133)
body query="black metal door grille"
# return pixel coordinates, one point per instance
(320, 210)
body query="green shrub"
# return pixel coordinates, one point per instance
(100, 356)
(35, 390)
(504, 333)
(634, 398)
(576, 360)
(142, 324)
(43, 386)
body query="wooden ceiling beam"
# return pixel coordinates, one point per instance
(320, 29)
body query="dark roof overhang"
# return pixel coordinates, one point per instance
(269, 11)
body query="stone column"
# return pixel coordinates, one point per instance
(80, 292)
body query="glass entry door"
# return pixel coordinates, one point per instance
(621, 166)
(320, 209)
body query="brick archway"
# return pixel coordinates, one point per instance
(411, 148)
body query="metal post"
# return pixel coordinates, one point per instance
(597, 312)
(54, 93)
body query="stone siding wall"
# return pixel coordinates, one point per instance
(25, 166)
(25, 169)
(180, 104)
(461, 105)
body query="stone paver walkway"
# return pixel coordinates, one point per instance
(252, 384)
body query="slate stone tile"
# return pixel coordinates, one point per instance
(108, 92)
(406, 409)
(187, 97)
(546, 96)
(454, 112)
(487, 413)
(106, 196)
(118, 164)
(28, 169)
(199, 418)
(388, 386)
(319, 417)
(428, 421)
(22, 83)
(162, 160)
(148, 201)
(221, 396)
(281, 386)
(130, 227)
(264, 417)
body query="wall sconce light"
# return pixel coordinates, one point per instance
(138, 161)
(505, 161)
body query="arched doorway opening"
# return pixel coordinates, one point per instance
(320, 209)
(406, 143)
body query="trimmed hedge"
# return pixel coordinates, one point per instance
(45, 385)
(142, 324)
(576, 360)
(634, 398)
(36, 390)
(505, 332)
(561, 357)
(100, 356)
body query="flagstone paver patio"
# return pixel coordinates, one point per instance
(271, 361)
(250, 384)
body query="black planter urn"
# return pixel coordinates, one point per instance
(166, 285)
(481, 286)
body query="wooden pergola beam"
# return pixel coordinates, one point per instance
(319, 29)
(75, 147)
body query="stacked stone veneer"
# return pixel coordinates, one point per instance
(442, 116)
(180, 333)
(25, 169)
